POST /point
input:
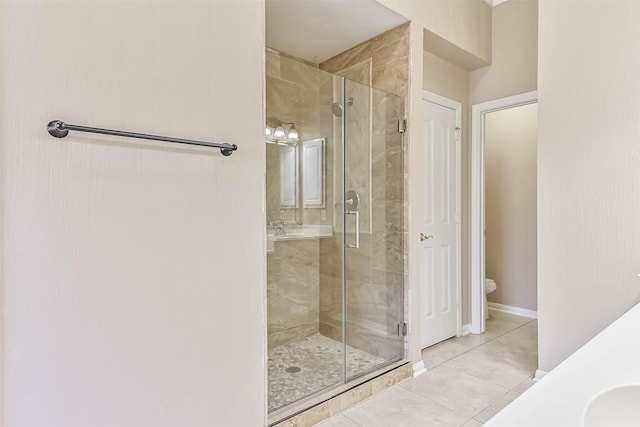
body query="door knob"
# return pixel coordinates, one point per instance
(423, 237)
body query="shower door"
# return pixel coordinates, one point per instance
(335, 232)
(373, 225)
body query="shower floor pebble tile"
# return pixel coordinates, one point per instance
(304, 367)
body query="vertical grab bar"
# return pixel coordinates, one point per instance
(357, 217)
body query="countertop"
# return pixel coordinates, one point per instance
(611, 358)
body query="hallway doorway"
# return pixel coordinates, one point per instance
(507, 164)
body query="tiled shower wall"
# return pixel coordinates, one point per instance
(386, 56)
(304, 276)
(292, 291)
(294, 90)
(293, 93)
(375, 272)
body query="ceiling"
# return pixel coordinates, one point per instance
(316, 30)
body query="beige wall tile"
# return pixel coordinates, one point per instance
(360, 72)
(345, 59)
(393, 76)
(293, 308)
(395, 49)
(398, 36)
(392, 378)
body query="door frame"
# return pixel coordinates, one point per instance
(457, 107)
(477, 238)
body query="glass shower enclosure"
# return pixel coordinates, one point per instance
(335, 230)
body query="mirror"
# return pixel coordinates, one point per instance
(313, 182)
(289, 176)
(295, 179)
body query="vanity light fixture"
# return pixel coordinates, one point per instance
(281, 132)
(293, 133)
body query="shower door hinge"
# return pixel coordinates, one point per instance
(402, 329)
(402, 126)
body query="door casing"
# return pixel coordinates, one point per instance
(477, 238)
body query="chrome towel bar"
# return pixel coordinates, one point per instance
(60, 129)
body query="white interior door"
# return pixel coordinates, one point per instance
(438, 221)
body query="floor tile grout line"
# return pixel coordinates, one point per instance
(492, 400)
(437, 403)
(450, 359)
(400, 385)
(496, 400)
(349, 418)
(497, 336)
(503, 357)
(474, 347)
(475, 376)
(474, 417)
(478, 347)
(509, 390)
(506, 333)
(468, 347)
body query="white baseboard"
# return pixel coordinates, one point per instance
(539, 375)
(513, 310)
(419, 369)
(466, 329)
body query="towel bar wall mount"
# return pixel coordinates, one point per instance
(60, 129)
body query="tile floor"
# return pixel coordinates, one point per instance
(469, 380)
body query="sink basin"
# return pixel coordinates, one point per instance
(297, 232)
(618, 406)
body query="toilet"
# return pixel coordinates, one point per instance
(489, 286)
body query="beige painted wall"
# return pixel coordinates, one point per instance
(132, 271)
(463, 23)
(423, 16)
(444, 78)
(513, 71)
(514, 62)
(510, 205)
(451, 81)
(588, 174)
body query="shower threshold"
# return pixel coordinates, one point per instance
(322, 404)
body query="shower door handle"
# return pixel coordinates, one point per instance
(356, 214)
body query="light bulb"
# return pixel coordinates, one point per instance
(279, 133)
(293, 133)
(268, 132)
